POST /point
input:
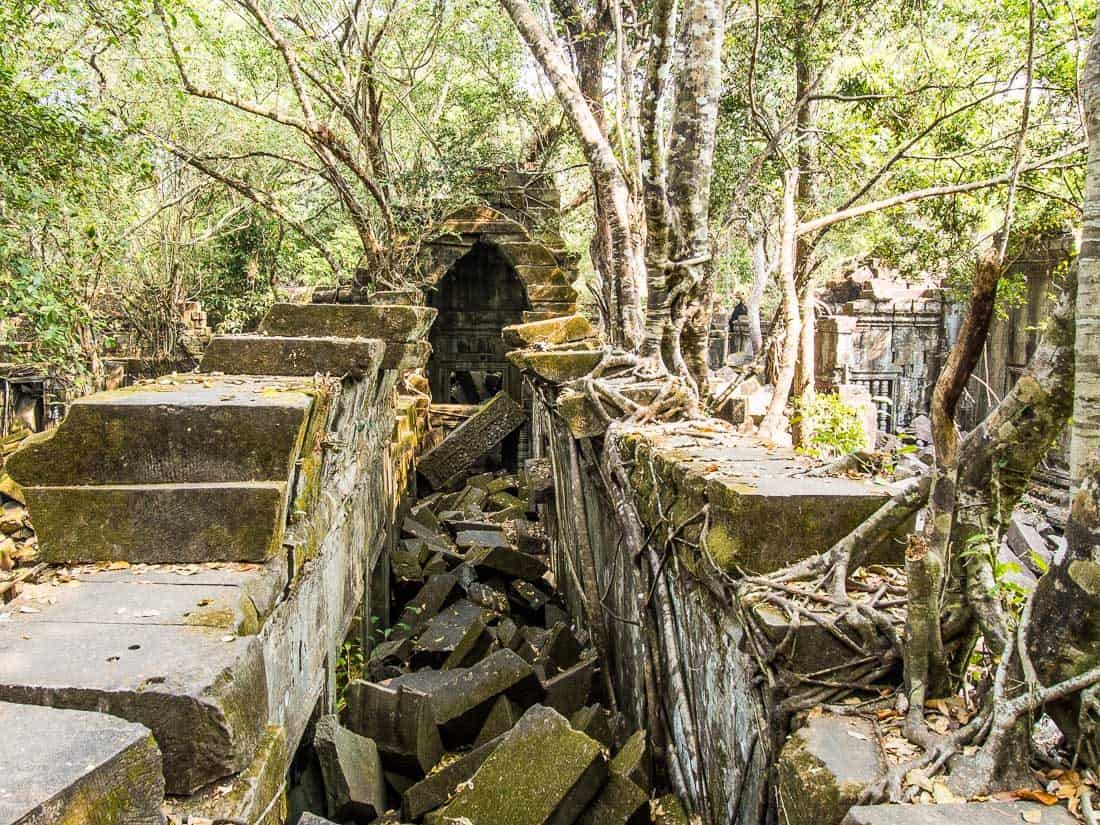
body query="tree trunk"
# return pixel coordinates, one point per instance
(760, 274)
(1085, 440)
(612, 195)
(772, 425)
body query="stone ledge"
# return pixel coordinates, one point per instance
(281, 355)
(389, 322)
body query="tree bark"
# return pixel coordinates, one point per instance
(772, 425)
(1085, 439)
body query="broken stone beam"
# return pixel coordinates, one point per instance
(556, 366)
(389, 322)
(63, 766)
(354, 785)
(280, 355)
(566, 329)
(399, 722)
(543, 773)
(471, 440)
(508, 561)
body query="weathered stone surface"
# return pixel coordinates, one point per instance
(481, 538)
(632, 761)
(620, 802)
(66, 766)
(471, 439)
(568, 691)
(455, 638)
(972, 813)
(354, 785)
(461, 700)
(204, 699)
(556, 366)
(400, 297)
(668, 810)
(390, 323)
(188, 430)
(507, 561)
(159, 523)
(313, 819)
(278, 355)
(432, 598)
(544, 772)
(595, 721)
(824, 767)
(583, 421)
(500, 720)
(400, 722)
(435, 789)
(557, 293)
(402, 356)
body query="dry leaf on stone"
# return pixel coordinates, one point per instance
(1033, 795)
(1032, 816)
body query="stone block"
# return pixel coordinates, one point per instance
(824, 767)
(463, 698)
(561, 293)
(279, 355)
(313, 819)
(527, 253)
(435, 789)
(200, 691)
(972, 813)
(556, 366)
(193, 430)
(544, 773)
(159, 523)
(481, 538)
(399, 297)
(500, 720)
(406, 355)
(559, 330)
(619, 802)
(390, 323)
(352, 770)
(471, 439)
(568, 691)
(595, 721)
(508, 561)
(455, 638)
(436, 593)
(632, 761)
(67, 766)
(399, 721)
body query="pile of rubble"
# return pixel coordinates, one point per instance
(480, 704)
(18, 544)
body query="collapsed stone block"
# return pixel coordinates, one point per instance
(399, 722)
(75, 766)
(352, 770)
(507, 561)
(595, 721)
(620, 802)
(632, 761)
(481, 538)
(455, 637)
(435, 789)
(544, 772)
(568, 691)
(556, 366)
(471, 439)
(500, 720)
(824, 768)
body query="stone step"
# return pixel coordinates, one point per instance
(159, 523)
(200, 690)
(177, 430)
(391, 323)
(72, 766)
(972, 813)
(282, 355)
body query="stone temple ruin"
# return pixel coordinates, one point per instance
(279, 588)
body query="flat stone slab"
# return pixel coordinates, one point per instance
(406, 355)
(543, 773)
(824, 768)
(61, 766)
(176, 430)
(281, 355)
(556, 366)
(765, 512)
(971, 813)
(390, 322)
(159, 523)
(200, 690)
(471, 439)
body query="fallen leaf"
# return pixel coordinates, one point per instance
(1032, 816)
(1033, 795)
(118, 565)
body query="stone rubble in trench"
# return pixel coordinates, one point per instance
(481, 704)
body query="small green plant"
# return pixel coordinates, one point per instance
(830, 428)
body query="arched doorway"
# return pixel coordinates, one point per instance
(479, 295)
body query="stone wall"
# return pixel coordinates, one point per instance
(172, 599)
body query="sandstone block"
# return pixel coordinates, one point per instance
(972, 813)
(560, 330)
(352, 770)
(471, 439)
(556, 366)
(280, 355)
(390, 323)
